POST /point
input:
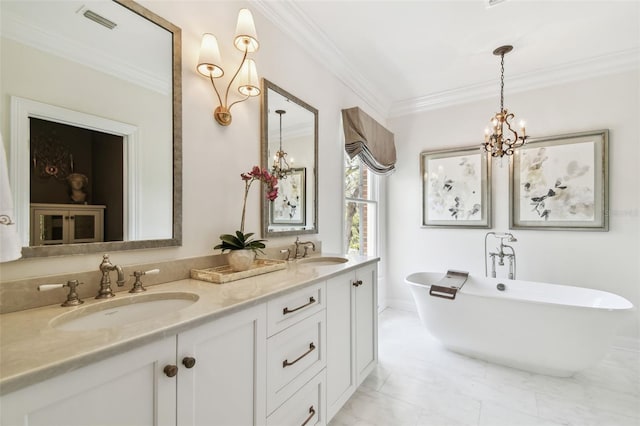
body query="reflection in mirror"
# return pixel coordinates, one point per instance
(289, 142)
(95, 148)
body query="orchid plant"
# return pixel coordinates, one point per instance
(242, 241)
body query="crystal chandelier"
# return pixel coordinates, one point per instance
(280, 167)
(496, 141)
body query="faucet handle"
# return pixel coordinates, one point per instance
(72, 297)
(47, 287)
(288, 251)
(137, 285)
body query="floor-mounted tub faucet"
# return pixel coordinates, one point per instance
(502, 251)
(106, 267)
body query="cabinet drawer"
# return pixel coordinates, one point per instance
(291, 308)
(306, 407)
(294, 356)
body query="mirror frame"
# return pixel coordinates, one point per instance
(176, 240)
(264, 153)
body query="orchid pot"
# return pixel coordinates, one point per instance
(242, 248)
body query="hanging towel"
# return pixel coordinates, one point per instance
(10, 248)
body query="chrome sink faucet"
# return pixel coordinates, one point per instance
(306, 245)
(106, 267)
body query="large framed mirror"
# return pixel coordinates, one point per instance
(94, 94)
(289, 126)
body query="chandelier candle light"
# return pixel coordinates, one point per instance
(209, 65)
(495, 140)
(280, 167)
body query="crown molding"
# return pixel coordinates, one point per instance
(287, 16)
(613, 63)
(17, 29)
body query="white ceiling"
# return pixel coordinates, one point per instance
(408, 56)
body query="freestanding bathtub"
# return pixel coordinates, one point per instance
(543, 328)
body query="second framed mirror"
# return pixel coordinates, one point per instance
(289, 149)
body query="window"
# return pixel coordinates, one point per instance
(361, 208)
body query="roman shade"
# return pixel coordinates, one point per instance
(365, 137)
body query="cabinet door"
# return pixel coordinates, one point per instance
(127, 389)
(226, 385)
(341, 377)
(50, 226)
(85, 226)
(366, 321)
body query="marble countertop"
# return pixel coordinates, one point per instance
(31, 350)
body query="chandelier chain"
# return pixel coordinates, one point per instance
(502, 83)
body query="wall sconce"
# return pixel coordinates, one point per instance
(209, 65)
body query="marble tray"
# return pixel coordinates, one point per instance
(223, 274)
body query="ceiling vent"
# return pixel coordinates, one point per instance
(491, 3)
(89, 14)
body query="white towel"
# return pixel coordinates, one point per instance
(10, 248)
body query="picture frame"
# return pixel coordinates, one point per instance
(456, 190)
(289, 207)
(561, 183)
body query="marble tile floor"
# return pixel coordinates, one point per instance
(419, 383)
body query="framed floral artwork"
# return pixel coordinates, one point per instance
(561, 183)
(455, 188)
(289, 207)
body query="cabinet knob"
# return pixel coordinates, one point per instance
(357, 283)
(188, 361)
(171, 370)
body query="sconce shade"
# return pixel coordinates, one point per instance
(246, 38)
(248, 79)
(209, 60)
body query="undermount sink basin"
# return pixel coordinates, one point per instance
(123, 310)
(323, 260)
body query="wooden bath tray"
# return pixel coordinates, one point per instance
(224, 274)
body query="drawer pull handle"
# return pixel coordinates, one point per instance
(286, 363)
(312, 413)
(286, 311)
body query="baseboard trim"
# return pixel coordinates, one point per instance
(626, 343)
(402, 304)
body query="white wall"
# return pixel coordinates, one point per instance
(607, 261)
(214, 156)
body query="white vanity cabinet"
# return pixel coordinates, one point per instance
(352, 330)
(211, 374)
(126, 389)
(292, 360)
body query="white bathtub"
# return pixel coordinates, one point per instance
(543, 328)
